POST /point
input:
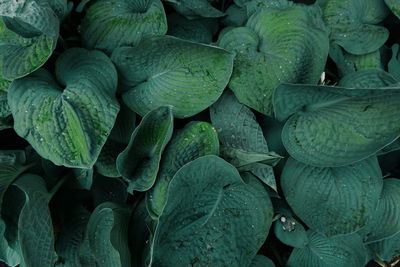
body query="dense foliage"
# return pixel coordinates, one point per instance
(215, 133)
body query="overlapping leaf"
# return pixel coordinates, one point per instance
(193, 141)
(195, 8)
(164, 70)
(333, 201)
(139, 162)
(70, 126)
(386, 249)
(368, 78)
(212, 218)
(276, 45)
(352, 24)
(261, 261)
(333, 126)
(109, 24)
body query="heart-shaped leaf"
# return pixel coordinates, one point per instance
(267, 54)
(212, 218)
(164, 70)
(70, 126)
(109, 24)
(139, 162)
(195, 140)
(333, 126)
(352, 24)
(333, 201)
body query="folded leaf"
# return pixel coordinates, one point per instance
(164, 70)
(340, 251)
(70, 126)
(139, 162)
(195, 140)
(212, 218)
(333, 126)
(352, 24)
(109, 24)
(333, 201)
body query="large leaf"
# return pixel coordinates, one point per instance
(109, 24)
(139, 162)
(242, 140)
(333, 201)
(38, 14)
(105, 189)
(340, 251)
(19, 55)
(107, 232)
(333, 126)
(70, 126)
(352, 24)
(276, 45)
(212, 218)
(387, 249)
(394, 6)
(7, 254)
(164, 70)
(35, 228)
(385, 221)
(261, 261)
(195, 8)
(368, 78)
(196, 139)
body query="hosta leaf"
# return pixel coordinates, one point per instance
(267, 54)
(368, 78)
(212, 218)
(394, 6)
(164, 70)
(105, 189)
(394, 62)
(195, 8)
(36, 13)
(261, 261)
(333, 126)
(107, 232)
(70, 126)
(242, 140)
(333, 201)
(340, 251)
(5, 112)
(20, 56)
(199, 30)
(385, 221)
(109, 24)
(352, 24)
(196, 139)
(139, 162)
(235, 16)
(254, 6)
(263, 172)
(35, 228)
(387, 249)
(7, 254)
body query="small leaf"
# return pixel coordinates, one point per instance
(333, 201)
(195, 140)
(164, 70)
(139, 162)
(70, 126)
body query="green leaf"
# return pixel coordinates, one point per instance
(212, 218)
(19, 55)
(195, 140)
(139, 162)
(394, 6)
(340, 251)
(192, 9)
(263, 172)
(235, 16)
(35, 228)
(267, 54)
(386, 249)
(368, 78)
(242, 140)
(333, 126)
(394, 62)
(352, 24)
(333, 201)
(109, 24)
(5, 112)
(105, 189)
(70, 126)
(164, 70)
(7, 254)
(261, 261)
(107, 232)
(198, 31)
(385, 221)
(36, 13)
